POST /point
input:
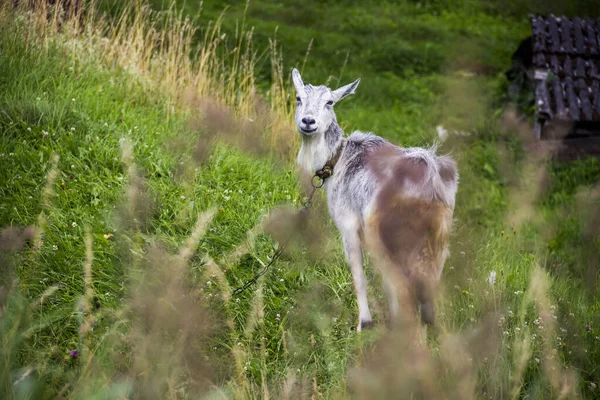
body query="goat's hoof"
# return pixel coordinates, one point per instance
(364, 325)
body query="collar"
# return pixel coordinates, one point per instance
(327, 169)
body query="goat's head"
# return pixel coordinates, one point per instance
(314, 104)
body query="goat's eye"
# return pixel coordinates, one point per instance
(298, 100)
(330, 103)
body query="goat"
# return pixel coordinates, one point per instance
(395, 202)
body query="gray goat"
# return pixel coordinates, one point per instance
(395, 202)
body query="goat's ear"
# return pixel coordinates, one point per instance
(298, 84)
(345, 90)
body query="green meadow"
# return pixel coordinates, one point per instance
(147, 170)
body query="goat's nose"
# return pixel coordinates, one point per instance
(308, 120)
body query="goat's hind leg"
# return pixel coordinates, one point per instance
(352, 248)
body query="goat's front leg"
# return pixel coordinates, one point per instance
(352, 248)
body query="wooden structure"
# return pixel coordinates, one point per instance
(561, 61)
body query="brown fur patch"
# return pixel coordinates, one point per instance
(409, 237)
(379, 162)
(448, 173)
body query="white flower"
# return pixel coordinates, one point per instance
(29, 129)
(182, 197)
(73, 128)
(492, 278)
(54, 247)
(45, 133)
(74, 224)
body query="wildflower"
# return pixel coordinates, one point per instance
(537, 360)
(74, 224)
(29, 129)
(587, 326)
(107, 236)
(281, 280)
(517, 330)
(74, 354)
(54, 247)
(208, 283)
(45, 133)
(592, 386)
(492, 278)
(465, 292)
(73, 100)
(72, 129)
(182, 197)
(518, 292)
(38, 99)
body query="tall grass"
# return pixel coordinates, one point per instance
(167, 54)
(138, 303)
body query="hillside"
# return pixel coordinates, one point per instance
(147, 168)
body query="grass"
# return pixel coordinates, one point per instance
(120, 147)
